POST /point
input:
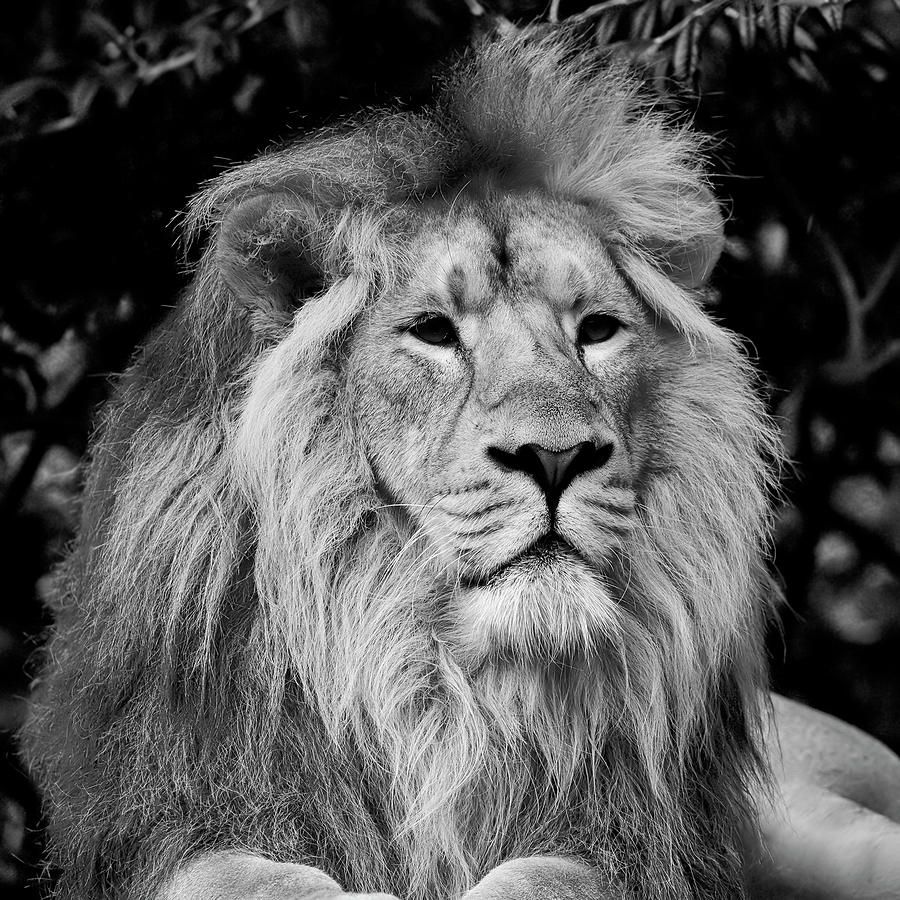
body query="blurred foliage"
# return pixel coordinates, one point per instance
(112, 112)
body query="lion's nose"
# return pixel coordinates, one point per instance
(554, 470)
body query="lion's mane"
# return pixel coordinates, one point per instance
(243, 653)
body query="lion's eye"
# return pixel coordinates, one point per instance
(596, 328)
(437, 330)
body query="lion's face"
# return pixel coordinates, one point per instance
(505, 406)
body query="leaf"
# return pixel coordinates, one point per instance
(607, 24)
(245, 95)
(681, 53)
(150, 43)
(298, 24)
(768, 11)
(833, 13)
(804, 40)
(667, 10)
(638, 51)
(96, 24)
(82, 95)
(746, 24)
(805, 69)
(143, 14)
(62, 365)
(786, 18)
(643, 21)
(780, 20)
(206, 44)
(121, 80)
(229, 49)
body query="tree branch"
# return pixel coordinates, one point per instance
(849, 294)
(598, 9)
(695, 14)
(882, 280)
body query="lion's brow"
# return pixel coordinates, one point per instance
(500, 248)
(456, 287)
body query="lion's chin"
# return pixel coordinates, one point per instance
(543, 606)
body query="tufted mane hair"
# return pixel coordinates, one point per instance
(242, 655)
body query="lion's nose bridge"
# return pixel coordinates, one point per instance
(543, 411)
(534, 400)
(529, 390)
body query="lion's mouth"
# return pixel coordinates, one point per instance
(546, 553)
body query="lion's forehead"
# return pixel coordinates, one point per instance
(476, 255)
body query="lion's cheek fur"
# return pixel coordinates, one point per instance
(403, 414)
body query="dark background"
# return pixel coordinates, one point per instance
(113, 111)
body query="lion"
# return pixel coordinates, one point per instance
(423, 548)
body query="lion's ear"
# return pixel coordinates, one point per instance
(265, 255)
(689, 250)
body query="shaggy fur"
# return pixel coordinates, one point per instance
(242, 656)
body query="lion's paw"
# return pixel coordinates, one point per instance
(244, 876)
(540, 878)
(365, 897)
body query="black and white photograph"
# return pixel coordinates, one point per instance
(450, 450)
